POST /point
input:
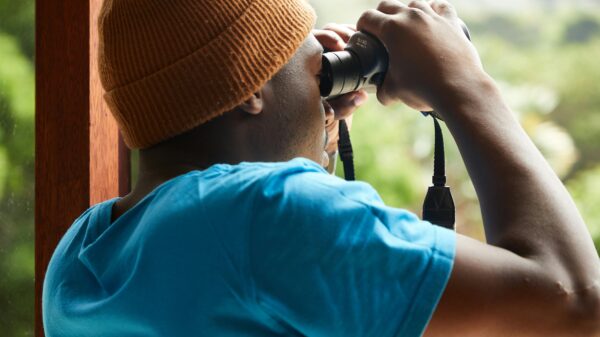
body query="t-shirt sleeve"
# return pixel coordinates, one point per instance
(329, 258)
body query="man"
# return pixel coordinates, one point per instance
(235, 228)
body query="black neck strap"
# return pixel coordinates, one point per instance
(346, 152)
(438, 207)
(439, 157)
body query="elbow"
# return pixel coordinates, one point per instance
(585, 317)
(594, 309)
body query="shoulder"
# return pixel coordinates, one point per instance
(304, 203)
(302, 199)
(303, 180)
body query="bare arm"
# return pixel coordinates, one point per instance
(539, 273)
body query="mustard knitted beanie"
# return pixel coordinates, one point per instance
(168, 66)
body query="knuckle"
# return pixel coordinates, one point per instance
(416, 14)
(368, 16)
(364, 17)
(390, 26)
(445, 6)
(328, 34)
(386, 4)
(329, 26)
(369, 13)
(391, 6)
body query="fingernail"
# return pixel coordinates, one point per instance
(359, 100)
(352, 96)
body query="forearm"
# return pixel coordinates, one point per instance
(539, 273)
(525, 207)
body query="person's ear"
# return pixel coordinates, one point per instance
(254, 104)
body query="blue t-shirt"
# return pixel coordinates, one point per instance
(255, 249)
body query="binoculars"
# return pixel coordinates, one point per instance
(362, 65)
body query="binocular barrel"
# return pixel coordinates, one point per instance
(361, 65)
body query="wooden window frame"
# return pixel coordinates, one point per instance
(80, 157)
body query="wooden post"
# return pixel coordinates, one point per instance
(80, 157)
(108, 178)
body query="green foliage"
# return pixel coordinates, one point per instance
(4, 168)
(585, 189)
(547, 64)
(380, 161)
(17, 106)
(16, 19)
(17, 81)
(518, 32)
(582, 30)
(16, 112)
(552, 82)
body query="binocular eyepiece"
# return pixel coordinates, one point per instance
(361, 65)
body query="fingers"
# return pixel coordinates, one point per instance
(345, 105)
(422, 5)
(446, 10)
(329, 39)
(351, 26)
(443, 8)
(344, 31)
(391, 7)
(383, 97)
(372, 21)
(335, 36)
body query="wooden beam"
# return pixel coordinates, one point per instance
(108, 178)
(80, 158)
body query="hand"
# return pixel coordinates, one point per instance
(429, 53)
(334, 37)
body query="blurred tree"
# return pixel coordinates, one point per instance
(552, 84)
(585, 188)
(521, 33)
(17, 105)
(16, 19)
(582, 30)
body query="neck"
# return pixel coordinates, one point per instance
(218, 142)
